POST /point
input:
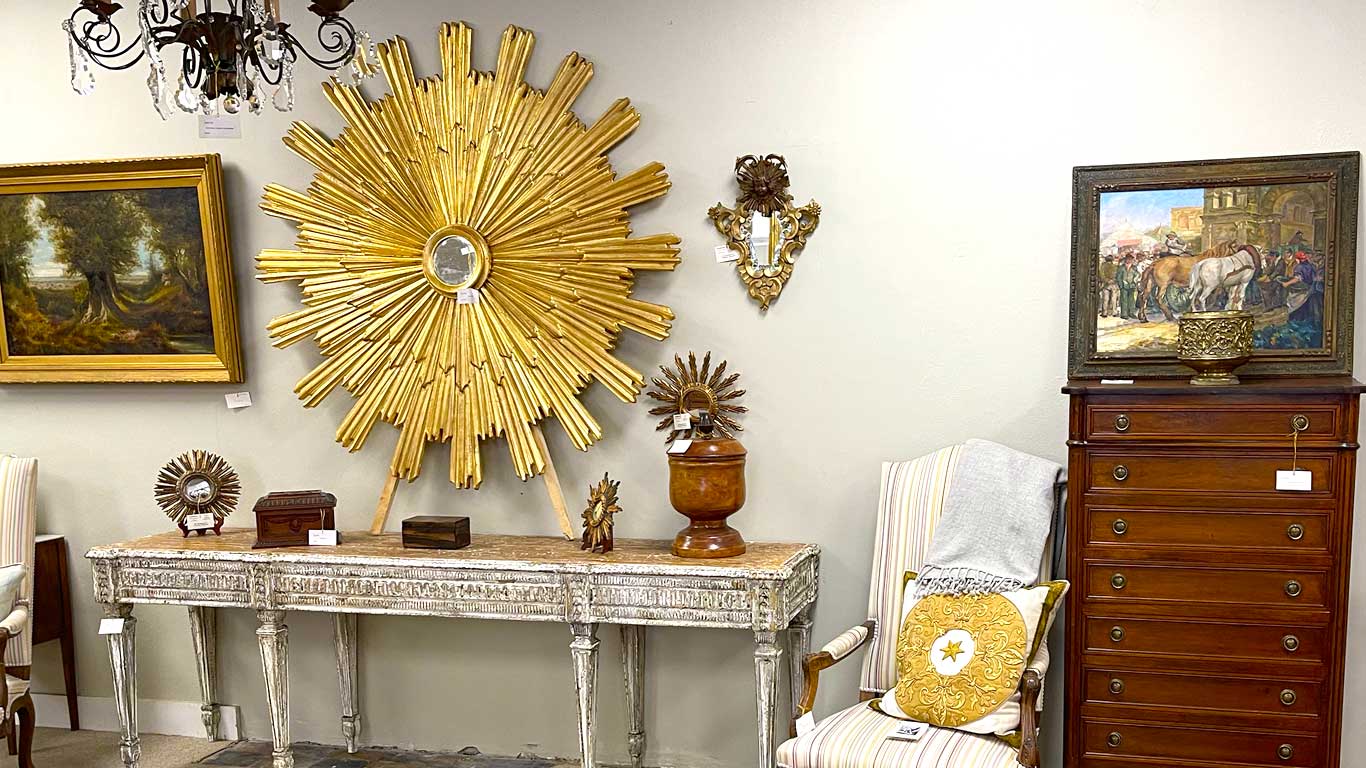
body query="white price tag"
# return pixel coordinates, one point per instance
(725, 254)
(238, 400)
(805, 723)
(682, 421)
(467, 296)
(111, 626)
(909, 731)
(680, 446)
(322, 538)
(1116, 381)
(220, 127)
(1294, 480)
(200, 522)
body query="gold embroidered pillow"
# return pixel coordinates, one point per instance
(960, 658)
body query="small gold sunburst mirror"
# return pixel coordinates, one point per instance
(600, 514)
(198, 490)
(689, 390)
(764, 228)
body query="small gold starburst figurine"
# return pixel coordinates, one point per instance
(598, 516)
(198, 491)
(689, 389)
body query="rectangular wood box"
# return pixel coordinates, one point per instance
(436, 532)
(1208, 614)
(283, 519)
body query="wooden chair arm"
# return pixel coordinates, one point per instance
(824, 659)
(1030, 686)
(16, 621)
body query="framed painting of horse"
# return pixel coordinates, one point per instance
(1275, 236)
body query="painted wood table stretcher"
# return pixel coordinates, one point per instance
(770, 590)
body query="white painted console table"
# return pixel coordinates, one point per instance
(769, 590)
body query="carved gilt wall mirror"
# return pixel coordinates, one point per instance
(764, 228)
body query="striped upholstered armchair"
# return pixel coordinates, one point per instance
(911, 501)
(18, 525)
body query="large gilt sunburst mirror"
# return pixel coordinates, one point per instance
(466, 258)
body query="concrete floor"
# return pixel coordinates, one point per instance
(54, 748)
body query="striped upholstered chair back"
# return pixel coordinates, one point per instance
(909, 507)
(18, 526)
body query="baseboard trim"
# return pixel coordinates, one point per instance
(170, 718)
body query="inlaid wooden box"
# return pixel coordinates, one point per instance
(283, 519)
(436, 532)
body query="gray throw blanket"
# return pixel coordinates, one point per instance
(996, 519)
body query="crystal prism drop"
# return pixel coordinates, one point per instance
(156, 78)
(284, 95)
(186, 97)
(82, 75)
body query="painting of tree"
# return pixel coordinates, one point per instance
(104, 272)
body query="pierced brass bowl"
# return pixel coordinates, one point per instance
(1214, 344)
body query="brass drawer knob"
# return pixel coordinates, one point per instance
(1299, 422)
(1285, 752)
(1293, 588)
(1116, 634)
(1120, 527)
(1121, 473)
(1116, 686)
(1290, 643)
(1118, 581)
(1288, 697)
(1295, 531)
(1114, 739)
(1122, 422)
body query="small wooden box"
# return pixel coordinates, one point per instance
(283, 519)
(436, 532)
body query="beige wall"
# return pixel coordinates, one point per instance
(930, 306)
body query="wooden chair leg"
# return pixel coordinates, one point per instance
(24, 711)
(13, 737)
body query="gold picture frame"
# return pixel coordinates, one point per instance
(177, 292)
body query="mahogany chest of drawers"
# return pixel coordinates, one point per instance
(1207, 621)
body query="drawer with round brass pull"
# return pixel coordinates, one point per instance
(1251, 423)
(1133, 525)
(1161, 744)
(1206, 471)
(1252, 698)
(1203, 585)
(1201, 641)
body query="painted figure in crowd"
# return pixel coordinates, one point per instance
(1176, 246)
(1109, 287)
(1304, 279)
(1127, 277)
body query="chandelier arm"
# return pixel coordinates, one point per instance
(101, 40)
(337, 37)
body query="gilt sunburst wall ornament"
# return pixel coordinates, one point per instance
(194, 483)
(599, 516)
(466, 258)
(689, 389)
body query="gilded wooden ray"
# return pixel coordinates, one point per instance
(465, 256)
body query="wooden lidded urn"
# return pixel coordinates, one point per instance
(707, 485)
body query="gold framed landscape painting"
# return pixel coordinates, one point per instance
(117, 271)
(1273, 236)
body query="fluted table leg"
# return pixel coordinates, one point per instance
(584, 649)
(633, 662)
(124, 661)
(344, 635)
(273, 636)
(204, 632)
(767, 652)
(798, 645)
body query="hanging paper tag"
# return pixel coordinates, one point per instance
(908, 731)
(682, 421)
(238, 400)
(111, 626)
(805, 723)
(200, 522)
(1294, 480)
(322, 538)
(220, 127)
(725, 254)
(680, 446)
(1116, 381)
(467, 296)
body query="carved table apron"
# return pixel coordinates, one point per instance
(769, 590)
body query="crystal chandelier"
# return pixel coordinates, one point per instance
(235, 53)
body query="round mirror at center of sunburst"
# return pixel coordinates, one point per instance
(456, 257)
